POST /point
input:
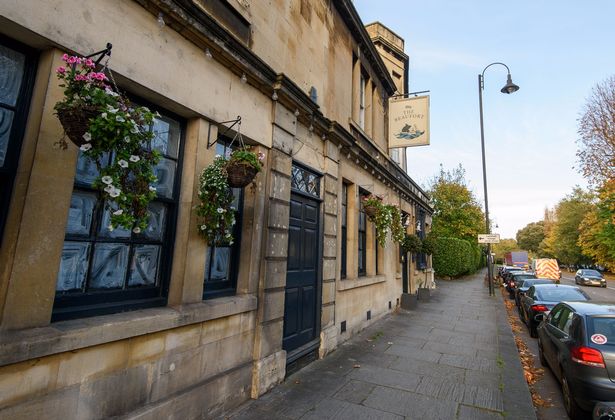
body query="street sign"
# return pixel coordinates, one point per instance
(491, 238)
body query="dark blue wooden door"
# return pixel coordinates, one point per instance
(300, 326)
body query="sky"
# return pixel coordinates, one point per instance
(557, 51)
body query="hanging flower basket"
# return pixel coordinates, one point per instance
(371, 205)
(370, 210)
(76, 121)
(240, 174)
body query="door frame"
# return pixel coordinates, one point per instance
(314, 344)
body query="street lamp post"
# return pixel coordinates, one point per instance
(510, 87)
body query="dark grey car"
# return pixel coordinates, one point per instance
(577, 341)
(589, 278)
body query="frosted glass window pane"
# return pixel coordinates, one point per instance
(104, 231)
(6, 122)
(73, 266)
(165, 172)
(166, 136)
(11, 74)
(109, 266)
(87, 170)
(80, 213)
(157, 221)
(220, 264)
(144, 265)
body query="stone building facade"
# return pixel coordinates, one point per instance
(96, 323)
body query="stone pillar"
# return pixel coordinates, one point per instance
(269, 366)
(332, 185)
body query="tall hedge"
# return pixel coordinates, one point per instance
(454, 257)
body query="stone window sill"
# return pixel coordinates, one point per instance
(348, 283)
(20, 345)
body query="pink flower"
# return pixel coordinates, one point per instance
(261, 156)
(71, 60)
(81, 78)
(61, 70)
(89, 62)
(65, 58)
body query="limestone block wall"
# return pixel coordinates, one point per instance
(208, 363)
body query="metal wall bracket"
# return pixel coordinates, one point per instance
(234, 123)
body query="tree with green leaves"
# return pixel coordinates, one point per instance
(457, 213)
(530, 237)
(597, 230)
(570, 212)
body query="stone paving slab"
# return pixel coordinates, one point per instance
(454, 357)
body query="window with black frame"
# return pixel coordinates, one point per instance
(362, 236)
(105, 270)
(344, 233)
(222, 260)
(17, 67)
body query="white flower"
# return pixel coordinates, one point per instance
(110, 228)
(203, 227)
(218, 157)
(220, 210)
(152, 188)
(122, 163)
(134, 130)
(127, 139)
(134, 158)
(107, 180)
(157, 114)
(109, 188)
(119, 118)
(115, 193)
(234, 221)
(230, 243)
(137, 230)
(109, 92)
(111, 109)
(118, 212)
(104, 115)
(85, 147)
(87, 137)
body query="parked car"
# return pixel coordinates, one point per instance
(515, 279)
(577, 341)
(541, 298)
(503, 268)
(604, 411)
(525, 286)
(508, 272)
(586, 277)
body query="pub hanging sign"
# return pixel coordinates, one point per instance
(409, 122)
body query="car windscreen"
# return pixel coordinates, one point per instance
(521, 277)
(601, 325)
(531, 282)
(592, 273)
(558, 294)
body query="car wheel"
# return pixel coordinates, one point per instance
(604, 286)
(541, 356)
(572, 408)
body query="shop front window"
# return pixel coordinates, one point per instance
(104, 271)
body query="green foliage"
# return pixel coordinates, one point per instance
(457, 213)
(597, 230)
(454, 257)
(530, 237)
(429, 244)
(411, 243)
(386, 217)
(214, 213)
(570, 212)
(120, 130)
(245, 156)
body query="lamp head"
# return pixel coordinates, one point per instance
(510, 86)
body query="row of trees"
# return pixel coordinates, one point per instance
(581, 227)
(457, 221)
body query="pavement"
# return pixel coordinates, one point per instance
(454, 357)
